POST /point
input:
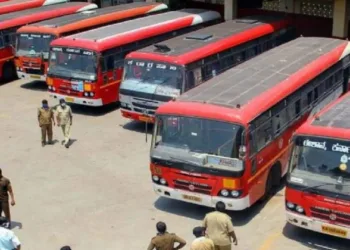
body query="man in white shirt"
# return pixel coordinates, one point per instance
(8, 240)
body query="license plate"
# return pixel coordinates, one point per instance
(69, 99)
(334, 231)
(192, 198)
(34, 76)
(146, 119)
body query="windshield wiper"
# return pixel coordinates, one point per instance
(321, 185)
(184, 161)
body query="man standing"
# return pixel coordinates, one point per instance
(201, 242)
(8, 240)
(45, 118)
(165, 240)
(65, 120)
(5, 190)
(219, 228)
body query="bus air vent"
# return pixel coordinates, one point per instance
(162, 48)
(248, 21)
(87, 12)
(201, 37)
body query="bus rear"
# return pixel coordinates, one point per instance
(33, 41)
(229, 138)
(161, 72)
(318, 183)
(87, 68)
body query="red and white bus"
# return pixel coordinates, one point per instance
(318, 183)
(9, 23)
(158, 73)
(17, 5)
(228, 139)
(33, 41)
(86, 68)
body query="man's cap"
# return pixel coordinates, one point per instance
(66, 248)
(62, 100)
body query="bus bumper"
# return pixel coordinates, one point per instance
(33, 77)
(136, 116)
(78, 100)
(201, 199)
(317, 225)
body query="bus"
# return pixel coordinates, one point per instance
(228, 139)
(17, 5)
(33, 41)
(86, 68)
(318, 182)
(158, 73)
(9, 23)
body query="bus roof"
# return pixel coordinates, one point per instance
(254, 86)
(332, 121)
(213, 39)
(24, 17)
(122, 33)
(17, 5)
(92, 18)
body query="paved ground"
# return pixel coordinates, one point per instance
(98, 195)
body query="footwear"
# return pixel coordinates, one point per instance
(50, 142)
(67, 146)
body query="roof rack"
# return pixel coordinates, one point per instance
(200, 37)
(162, 48)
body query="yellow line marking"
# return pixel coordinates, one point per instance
(268, 243)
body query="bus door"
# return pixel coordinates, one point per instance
(111, 77)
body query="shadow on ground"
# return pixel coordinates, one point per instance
(16, 225)
(239, 218)
(35, 85)
(140, 127)
(92, 111)
(314, 240)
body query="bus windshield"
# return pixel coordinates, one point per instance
(34, 45)
(164, 78)
(321, 162)
(73, 63)
(198, 135)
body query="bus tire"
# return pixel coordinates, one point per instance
(268, 187)
(277, 173)
(273, 181)
(8, 72)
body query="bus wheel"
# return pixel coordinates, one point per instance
(268, 187)
(8, 72)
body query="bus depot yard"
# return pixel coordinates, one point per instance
(99, 195)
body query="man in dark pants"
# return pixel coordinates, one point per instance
(5, 190)
(45, 119)
(165, 240)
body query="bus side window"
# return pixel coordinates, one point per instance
(102, 64)
(263, 134)
(110, 62)
(190, 83)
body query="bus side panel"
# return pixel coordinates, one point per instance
(6, 56)
(110, 91)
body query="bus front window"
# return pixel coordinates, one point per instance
(163, 79)
(34, 45)
(198, 135)
(73, 63)
(323, 163)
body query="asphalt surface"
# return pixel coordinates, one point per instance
(98, 194)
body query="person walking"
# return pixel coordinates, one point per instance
(5, 190)
(45, 118)
(8, 240)
(201, 242)
(165, 240)
(219, 228)
(64, 120)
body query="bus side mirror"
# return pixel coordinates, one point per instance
(242, 152)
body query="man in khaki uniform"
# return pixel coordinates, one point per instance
(45, 118)
(201, 242)
(65, 120)
(5, 190)
(219, 228)
(165, 240)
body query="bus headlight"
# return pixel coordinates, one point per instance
(299, 209)
(49, 87)
(155, 178)
(53, 89)
(290, 205)
(92, 94)
(235, 193)
(224, 192)
(162, 181)
(86, 94)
